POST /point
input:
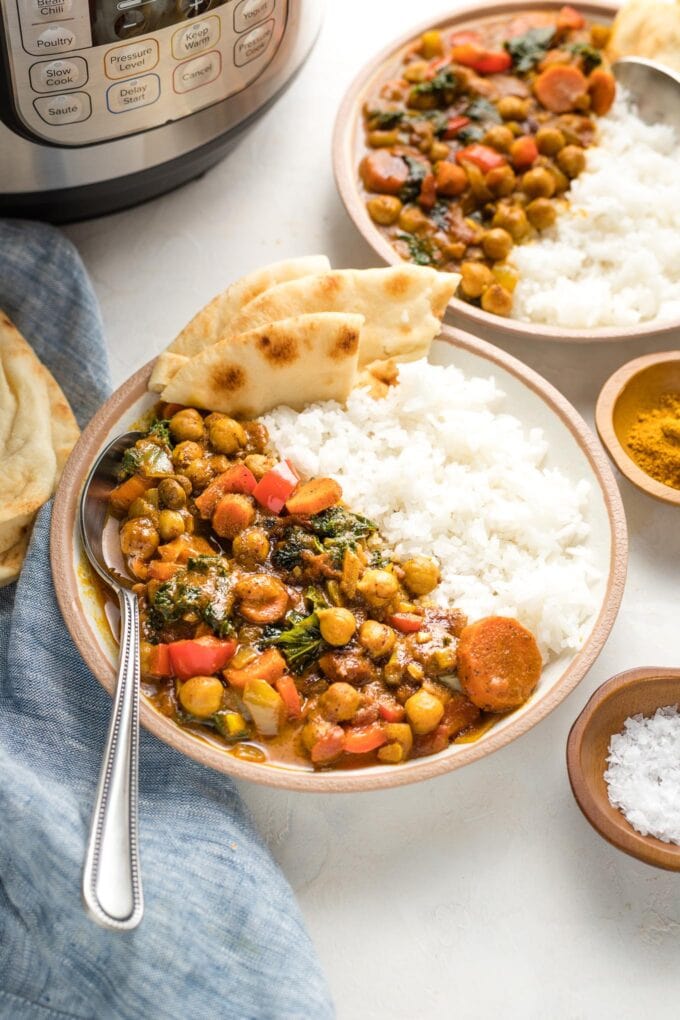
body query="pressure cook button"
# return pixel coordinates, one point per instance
(54, 75)
(133, 58)
(35, 11)
(67, 108)
(55, 39)
(251, 46)
(133, 93)
(250, 12)
(196, 37)
(200, 71)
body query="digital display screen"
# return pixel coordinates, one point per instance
(118, 20)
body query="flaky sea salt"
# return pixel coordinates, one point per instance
(643, 777)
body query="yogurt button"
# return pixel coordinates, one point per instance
(251, 46)
(193, 73)
(54, 75)
(55, 39)
(68, 108)
(133, 58)
(250, 12)
(133, 93)
(196, 37)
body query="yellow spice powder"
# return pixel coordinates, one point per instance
(654, 440)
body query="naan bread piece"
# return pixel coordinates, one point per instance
(647, 29)
(294, 361)
(402, 306)
(213, 322)
(167, 365)
(11, 559)
(65, 431)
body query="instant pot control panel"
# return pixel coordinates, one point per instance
(84, 72)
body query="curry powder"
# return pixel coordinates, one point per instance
(654, 440)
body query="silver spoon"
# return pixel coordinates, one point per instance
(112, 884)
(654, 87)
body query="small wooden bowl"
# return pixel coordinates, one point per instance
(637, 384)
(635, 691)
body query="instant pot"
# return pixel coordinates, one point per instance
(105, 103)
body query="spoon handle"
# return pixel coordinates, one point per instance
(112, 884)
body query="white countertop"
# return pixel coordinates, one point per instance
(483, 893)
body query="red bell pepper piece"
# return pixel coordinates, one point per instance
(483, 61)
(455, 124)
(158, 661)
(569, 18)
(285, 685)
(407, 623)
(270, 665)
(274, 488)
(200, 656)
(482, 156)
(391, 711)
(237, 478)
(361, 740)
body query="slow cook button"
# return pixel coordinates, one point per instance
(131, 94)
(133, 58)
(68, 108)
(200, 71)
(53, 75)
(56, 39)
(250, 12)
(250, 47)
(196, 37)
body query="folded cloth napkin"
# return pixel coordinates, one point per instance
(222, 935)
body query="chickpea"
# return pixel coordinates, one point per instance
(139, 538)
(513, 219)
(431, 44)
(538, 183)
(184, 482)
(219, 463)
(572, 160)
(497, 244)
(512, 108)
(339, 703)
(185, 452)
(541, 213)
(141, 507)
(600, 35)
(201, 696)
(501, 180)
(258, 464)
(378, 587)
(337, 625)
(424, 712)
(499, 137)
(312, 731)
(497, 300)
(251, 546)
(382, 139)
(170, 524)
(199, 474)
(227, 435)
(391, 754)
(171, 494)
(439, 151)
(384, 209)
(475, 278)
(187, 424)
(421, 574)
(416, 71)
(402, 734)
(549, 140)
(561, 180)
(377, 638)
(412, 219)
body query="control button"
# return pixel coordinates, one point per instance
(68, 108)
(35, 11)
(250, 12)
(250, 47)
(55, 39)
(122, 61)
(53, 75)
(199, 71)
(192, 8)
(131, 94)
(128, 24)
(196, 37)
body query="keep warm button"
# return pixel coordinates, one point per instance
(133, 93)
(201, 71)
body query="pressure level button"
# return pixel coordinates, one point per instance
(67, 108)
(55, 75)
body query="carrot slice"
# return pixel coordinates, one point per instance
(364, 739)
(285, 685)
(559, 86)
(232, 515)
(569, 18)
(314, 496)
(269, 666)
(237, 478)
(161, 571)
(602, 91)
(123, 496)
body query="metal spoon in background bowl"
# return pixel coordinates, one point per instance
(112, 883)
(654, 87)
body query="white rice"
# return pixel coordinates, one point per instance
(443, 470)
(613, 256)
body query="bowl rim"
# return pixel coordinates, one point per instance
(604, 420)
(464, 315)
(647, 849)
(87, 642)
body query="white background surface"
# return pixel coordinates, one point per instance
(483, 893)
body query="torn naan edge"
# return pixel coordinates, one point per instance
(292, 362)
(213, 322)
(647, 28)
(402, 305)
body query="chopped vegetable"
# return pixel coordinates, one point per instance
(523, 152)
(559, 87)
(481, 156)
(570, 19)
(420, 249)
(265, 705)
(361, 740)
(290, 696)
(199, 656)
(602, 91)
(528, 49)
(232, 515)
(407, 623)
(269, 665)
(314, 496)
(417, 169)
(329, 747)
(445, 80)
(276, 486)
(590, 57)
(237, 478)
(231, 725)
(481, 60)
(454, 124)
(301, 643)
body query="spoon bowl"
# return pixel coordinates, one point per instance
(654, 87)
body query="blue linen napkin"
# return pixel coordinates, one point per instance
(222, 935)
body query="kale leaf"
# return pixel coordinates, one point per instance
(384, 120)
(288, 554)
(419, 249)
(160, 430)
(526, 50)
(470, 133)
(439, 214)
(336, 522)
(416, 173)
(443, 81)
(301, 642)
(203, 564)
(482, 109)
(173, 599)
(590, 57)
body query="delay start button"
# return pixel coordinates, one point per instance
(54, 75)
(200, 71)
(133, 93)
(132, 58)
(67, 108)
(253, 45)
(195, 37)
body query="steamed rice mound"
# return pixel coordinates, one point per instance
(444, 471)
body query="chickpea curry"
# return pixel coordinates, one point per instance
(276, 620)
(474, 140)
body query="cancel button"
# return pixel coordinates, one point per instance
(200, 71)
(133, 93)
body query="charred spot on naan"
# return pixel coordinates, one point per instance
(229, 378)
(398, 285)
(346, 344)
(281, 350)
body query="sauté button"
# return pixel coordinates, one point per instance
(54, 75)
(200, 71)
(132, 58)
(133, 93)
(195, 37)
(250, 12)
(251, 46)
(67, 108)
